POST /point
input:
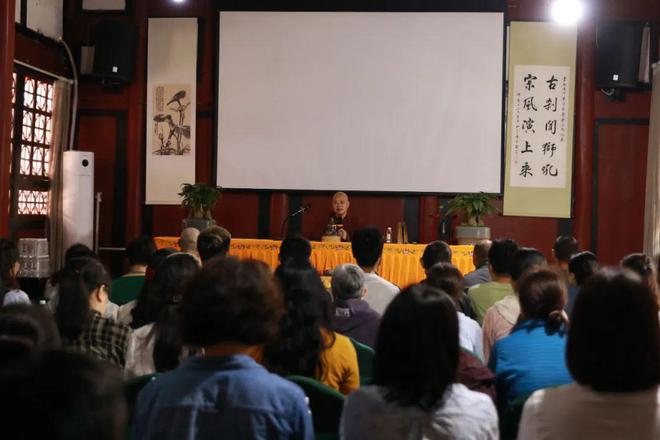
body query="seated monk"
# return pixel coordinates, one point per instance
(339, 217)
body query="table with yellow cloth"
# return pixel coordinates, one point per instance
(400, 262)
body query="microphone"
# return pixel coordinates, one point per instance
(303, 209)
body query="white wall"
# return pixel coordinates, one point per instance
(43, 16)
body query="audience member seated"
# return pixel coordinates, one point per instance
(642, 265)
(212, 242)
(9, 267)
(351, 314)
(448, 278)
(231, 309)
(62, 396)
(435, 252)
(564, 248)
(155, 344)
(79, 315)
(74, 251)
(613, 355)
(483, 296)
(295, 248)
(367, 246)
(533, 356)
(125, 312)
(481, 273)
(305, 345)
(188, 241)
(26, 330)
(501, 318)
(580, 267)
(416, 362)
(138, 252)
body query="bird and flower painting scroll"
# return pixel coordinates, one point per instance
(171, 120)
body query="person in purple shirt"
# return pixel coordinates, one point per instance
(351, 315)
(230, 309)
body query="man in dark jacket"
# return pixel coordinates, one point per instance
(351, 315)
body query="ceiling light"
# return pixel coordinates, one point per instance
(567, 11)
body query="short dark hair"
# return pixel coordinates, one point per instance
(436, 252)
(417, 347)
(26, 330)
(231, 301)
(8, 257)
(641, 264)
(140, 250)
(565, 246)
(295, 247)
(367, 246)
(500, 255)
(613, 341)
(583, 265)
(78, 250)
(525, 259)
(213, 241)
(446, 277)
(62, 395)
(542, 295)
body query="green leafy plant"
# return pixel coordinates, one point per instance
(200, 199)
(475, 206)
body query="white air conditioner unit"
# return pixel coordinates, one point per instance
(78, 198)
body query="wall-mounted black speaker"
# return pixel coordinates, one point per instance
(115, 46)
(618, 50)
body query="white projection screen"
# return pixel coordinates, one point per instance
(360, 101)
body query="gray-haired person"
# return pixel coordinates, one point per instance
(351, 315)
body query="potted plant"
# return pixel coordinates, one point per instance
(474, 206)
(200, 199)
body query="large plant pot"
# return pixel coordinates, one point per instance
(198, 223)
(469, 235)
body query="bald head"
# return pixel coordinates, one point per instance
(188, 240)
(480, 253)
(340, 204)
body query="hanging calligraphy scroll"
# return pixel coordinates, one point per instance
(538, 177)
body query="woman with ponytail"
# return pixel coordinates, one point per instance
(533, 356)
(155, 345)
(643, 266)
(83, 297)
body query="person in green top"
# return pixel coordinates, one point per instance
(484, 295)
(138, 252)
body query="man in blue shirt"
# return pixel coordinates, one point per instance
(230, 309)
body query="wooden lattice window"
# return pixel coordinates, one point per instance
(32, 108)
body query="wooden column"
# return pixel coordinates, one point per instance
(279, 209)
(428, 218)
(584, 137)
(135, 148)
(7, 38)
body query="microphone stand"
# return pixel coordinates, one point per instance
(301, 210)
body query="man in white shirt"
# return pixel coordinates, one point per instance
(367, 246)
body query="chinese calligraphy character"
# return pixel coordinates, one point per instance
(528, 124)
(528, 104)
(549, 170)
(552, 83)
(528, 148)
(526, 170)
(529, 81)
(550, 104)
(551, 126)
(549, 147)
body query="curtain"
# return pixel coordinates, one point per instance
(61, 121)
(652, 202)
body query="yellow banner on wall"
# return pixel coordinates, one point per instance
(539, 130)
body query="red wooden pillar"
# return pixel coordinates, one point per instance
(7, 36)
(279, 209)
(135, 148)
(428, 218)
(584, 136)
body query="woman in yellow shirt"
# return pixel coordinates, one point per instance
(305, 344)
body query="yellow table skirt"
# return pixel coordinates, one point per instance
(400, 263)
